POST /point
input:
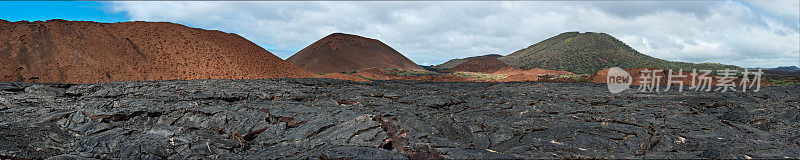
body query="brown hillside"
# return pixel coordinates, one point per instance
(61, 51)
(340, 52)
(454, 62)
(483, 64)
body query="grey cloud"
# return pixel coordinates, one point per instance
(433, 32)
(629, 9)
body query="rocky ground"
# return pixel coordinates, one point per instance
(333, 119)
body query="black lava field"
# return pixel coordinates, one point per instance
(338, 119)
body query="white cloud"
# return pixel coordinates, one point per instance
(738, 33)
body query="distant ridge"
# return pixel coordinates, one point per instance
(454, 62)
(341, 52)
(591, 52)
(485, 64)
(786, 68)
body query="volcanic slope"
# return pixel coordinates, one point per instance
(454, 62)
(341, 52)
(590, 52)
(484, 64)
(59, 51)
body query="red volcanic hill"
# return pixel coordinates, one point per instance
(486, 64)
(340, 52)
(58, 51)
(454, 62)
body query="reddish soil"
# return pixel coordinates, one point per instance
(342, 76)
(373, 73)
(512, 74)
(380, 74)
(600, 76)
(84, 52)
(519, 78)
(340, 52)
(486, 64)
(517, 74)
(537, 71)
(511, 70)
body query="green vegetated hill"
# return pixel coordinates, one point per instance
(590, 52)
(454, 62)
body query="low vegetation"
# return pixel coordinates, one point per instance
(479, 76)
(590, 52)
(408, 72)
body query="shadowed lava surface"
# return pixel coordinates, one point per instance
(332, 119)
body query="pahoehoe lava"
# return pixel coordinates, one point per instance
(338, 119)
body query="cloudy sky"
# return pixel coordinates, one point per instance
(744, 33)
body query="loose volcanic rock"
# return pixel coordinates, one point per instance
(340, 52)
(58, 51)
